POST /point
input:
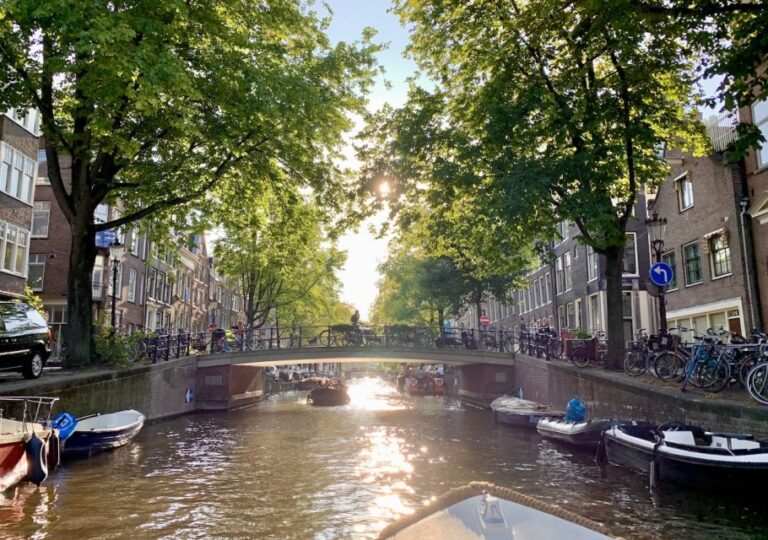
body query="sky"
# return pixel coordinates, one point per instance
(364, 251)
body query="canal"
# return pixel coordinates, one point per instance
(285, 470)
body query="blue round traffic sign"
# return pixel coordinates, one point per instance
(661, 274)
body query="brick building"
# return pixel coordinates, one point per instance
(705, 243)
(756, 170)
(18, 170)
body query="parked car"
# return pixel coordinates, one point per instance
(25, 340)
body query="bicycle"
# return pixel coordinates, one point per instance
(757, 378)
(707, 369)
(638, 354)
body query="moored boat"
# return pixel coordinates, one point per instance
(328, 395)
(585, 434)
(485, 511)
(689, 455)
(310, 383)
(91, 434)
(28, 447)
(424, 384)
(514, 411)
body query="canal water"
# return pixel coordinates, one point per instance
(287, 470)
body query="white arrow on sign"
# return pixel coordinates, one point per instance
(661, 272)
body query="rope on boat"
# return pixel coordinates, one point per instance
(472, 489)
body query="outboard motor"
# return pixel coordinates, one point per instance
(575, 411)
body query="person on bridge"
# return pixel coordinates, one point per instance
(356, 318)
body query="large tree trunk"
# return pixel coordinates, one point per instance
(615, 309)
(79, 296)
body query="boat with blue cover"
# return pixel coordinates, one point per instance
(91, 434)
(514, 411)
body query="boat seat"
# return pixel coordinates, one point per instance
(680, 437)
(741, 444)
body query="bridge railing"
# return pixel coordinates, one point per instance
(162, 346)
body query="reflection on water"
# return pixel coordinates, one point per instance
(288, 470)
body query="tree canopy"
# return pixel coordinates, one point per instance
(165, 104)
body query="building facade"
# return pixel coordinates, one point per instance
(705, 243)
(756, 171)
(18, 171)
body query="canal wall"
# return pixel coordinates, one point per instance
(616, 395)
(158, 391)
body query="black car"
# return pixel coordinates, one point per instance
(25, 341)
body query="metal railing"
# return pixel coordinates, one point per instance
(162, 346)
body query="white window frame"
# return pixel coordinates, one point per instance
(637, 262)
(547, 283)
(39, 261)
(591, 264)
(711, 254)
(680, 183)
(685, 265)
(41, 208)
(132, 279)
(5, 229)
(761, 154)
(675, 272)
(567, 271)
(18, 181)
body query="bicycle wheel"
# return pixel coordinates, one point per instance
(580, 360)
(555, 349)
(634, 363)
(749, 362)
(713, 375)
(668, 367)
(757, 383)
(326, 338)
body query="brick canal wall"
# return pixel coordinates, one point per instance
(615, 395)
(159, 391)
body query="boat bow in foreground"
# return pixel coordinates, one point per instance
(485, 511)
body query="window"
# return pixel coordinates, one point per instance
(561, 320)
(562, 230)
(570, 315)
(97, 279)
(36, 272)
(536, 293)
(40, 219)
(629, 330)
(151, 286)
(547, 281)
(131, 285)
(14, 243)
(559, 275)
(591, 264)
(119, 291)
(719, 255)
(101, 213)
(41, 155)
(595, 320)
(567, 271)
(669, 258)
(684, 188)
(692, 263)
(577, 318)
(760, 119)
(629, 263)
(16, 173)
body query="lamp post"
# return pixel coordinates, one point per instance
(656, 227)
(116, 251)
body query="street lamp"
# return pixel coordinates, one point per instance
(656, 227)
(116, 251)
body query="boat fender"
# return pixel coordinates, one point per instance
(54, 450)
(654, 467)
(37, 460)
(65, 423)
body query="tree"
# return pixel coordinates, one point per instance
(162, 104)
(552, 111)
(279, 254)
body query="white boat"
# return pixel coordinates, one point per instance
(88, 435)
(583, 434)
(690, 455)
(485, 511)
(515, 411)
